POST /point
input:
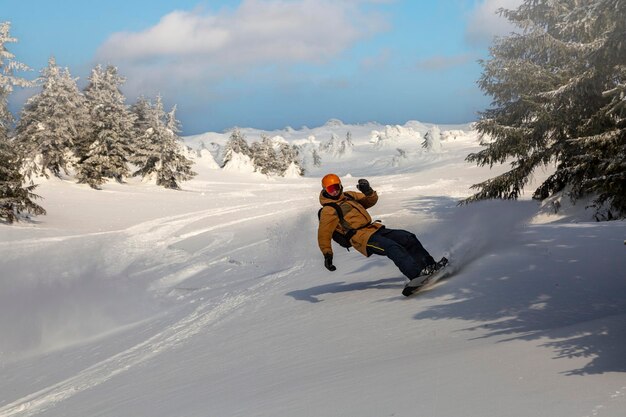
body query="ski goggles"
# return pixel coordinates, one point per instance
(333, 189)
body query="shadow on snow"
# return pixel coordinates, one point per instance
(520, 281)
(531, 282)
(311, 294)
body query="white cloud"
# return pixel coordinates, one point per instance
(257, 32)
(188, 53)
(485, 23)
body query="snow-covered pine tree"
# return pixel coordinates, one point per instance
(158, 151)
(399, 159)
(263, 156)
(142, 109)
(317, 159)
(82, 146)
(149, 129)
(559, 96)
(236, 144)
(173, 166)
(51, 122)
(272, 157)
(432, 139)
(15, 197)
(8, 80)
(336, 146)
(288, 156)
(331, 144)
(107, 152)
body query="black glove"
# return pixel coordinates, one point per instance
(364, 187)
(328, 262)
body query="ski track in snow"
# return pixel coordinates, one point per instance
(163, 226)
(149, 237)
(204, 316)
(153, 241)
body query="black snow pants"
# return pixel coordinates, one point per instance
(402, 248)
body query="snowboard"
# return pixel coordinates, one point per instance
(414, 286)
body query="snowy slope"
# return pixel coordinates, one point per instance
(213, 301)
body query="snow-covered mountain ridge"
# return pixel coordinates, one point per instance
(336, 144)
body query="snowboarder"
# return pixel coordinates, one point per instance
(344, 218)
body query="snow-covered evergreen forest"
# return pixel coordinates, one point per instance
(91, 135)
(558, 85)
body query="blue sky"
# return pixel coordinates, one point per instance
(272, 63)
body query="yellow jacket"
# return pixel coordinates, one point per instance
(354, 213)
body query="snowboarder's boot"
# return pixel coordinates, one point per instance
(432, 268)
(423, 278)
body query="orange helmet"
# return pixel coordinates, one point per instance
(330, 179)
(332, 184)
